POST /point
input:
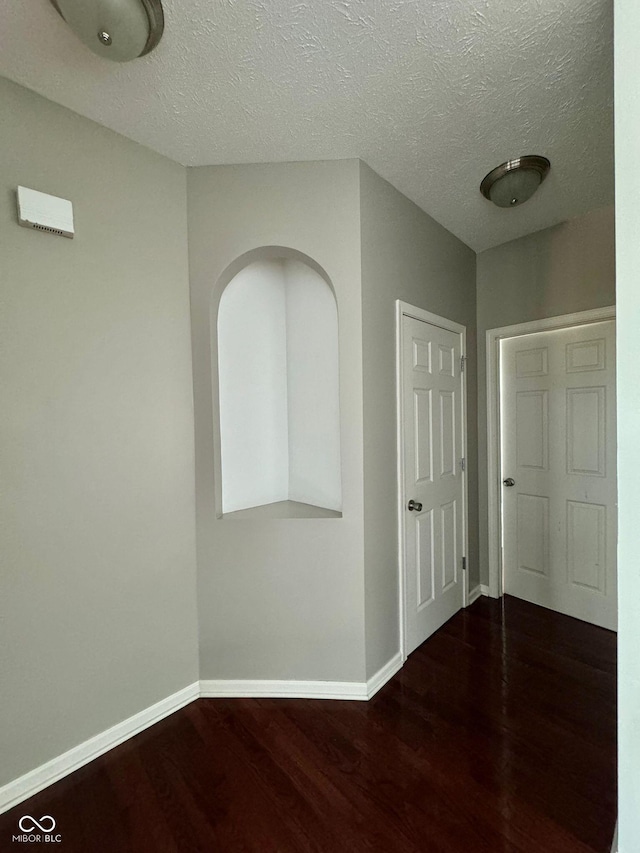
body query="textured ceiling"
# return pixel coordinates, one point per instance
(431, 93)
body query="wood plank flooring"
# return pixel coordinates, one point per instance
(497, 736)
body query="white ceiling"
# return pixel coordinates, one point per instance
(431, 93)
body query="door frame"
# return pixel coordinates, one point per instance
(404, 309)
(494, 438)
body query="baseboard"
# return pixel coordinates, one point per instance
(383, 675)
(31, 783)
(477, 592)
(36, 780)
(474, 594)
(268, 689)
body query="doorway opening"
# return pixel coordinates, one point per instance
(552, 464)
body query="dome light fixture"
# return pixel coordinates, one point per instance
(120, 30)
(514, 182)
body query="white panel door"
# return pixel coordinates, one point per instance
(559, 470)
(433, 481)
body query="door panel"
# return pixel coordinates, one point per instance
(586, 447)
(532, 429)
(448, 528)
(558, 445)
(448, 444)
(532, 362)
(426, 557)
(532, 535)
(586, 543)
(422, 425)
(433, 441)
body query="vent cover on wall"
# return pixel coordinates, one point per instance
(45, 212)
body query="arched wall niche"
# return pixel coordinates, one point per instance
(276, 366)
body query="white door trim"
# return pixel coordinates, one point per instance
(404, 309)
(493, 338)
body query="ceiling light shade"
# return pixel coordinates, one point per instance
(514, 182)
(115, 29)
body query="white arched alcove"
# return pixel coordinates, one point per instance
(278, 387)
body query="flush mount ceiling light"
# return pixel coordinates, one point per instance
(116, 29)
(514, 182)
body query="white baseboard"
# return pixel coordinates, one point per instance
(36, 780)
(267, 689)
(474, 594)
(271, 689)
(383, 675)
(31, 783)
(477, 591)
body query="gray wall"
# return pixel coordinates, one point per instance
(278, 598)
(567, 268)
(97, 599)
(405, 255)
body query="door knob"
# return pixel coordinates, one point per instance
(509, 481)
(414, 505)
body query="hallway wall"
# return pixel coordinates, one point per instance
(567, 268)
(406, 255)
(278, 598)
(97, 599)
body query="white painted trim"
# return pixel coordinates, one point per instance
(400, 480)
(477, 592)
(465, 473)
(36, 780)
(408, 310)
(13, 793)
(384, 674)
(285, 689)
(493, 338)
(404, 309)
(474, 595)
(264, 689)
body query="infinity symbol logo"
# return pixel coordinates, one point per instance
(28, 823)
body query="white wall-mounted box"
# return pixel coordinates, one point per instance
(45, 212)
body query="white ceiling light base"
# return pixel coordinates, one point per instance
(120, 30)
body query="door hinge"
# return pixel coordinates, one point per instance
(464, 564)
(463, 464)
(463, 358)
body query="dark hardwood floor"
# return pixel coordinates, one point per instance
(497, 735)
